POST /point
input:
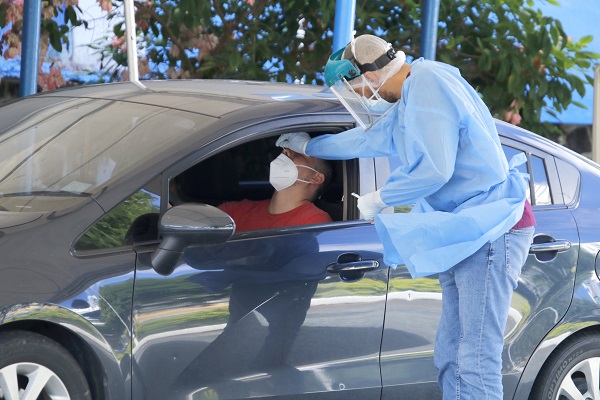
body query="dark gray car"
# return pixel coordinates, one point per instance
(120, 279)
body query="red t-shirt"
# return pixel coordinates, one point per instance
(251, 215)
(528, 219)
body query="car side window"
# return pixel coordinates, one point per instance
(133, 220)
(536, 167)
(540, 181)
(569, 180)
(510, 152)
(242, 173)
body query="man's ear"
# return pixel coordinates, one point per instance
(318, 178)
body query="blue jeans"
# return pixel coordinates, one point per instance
(476, 296)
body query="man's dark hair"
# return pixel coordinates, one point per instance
(324, 167)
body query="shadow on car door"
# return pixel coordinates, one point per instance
(266, 314)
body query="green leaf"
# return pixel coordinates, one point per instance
(579, 86)
(154, 29)
(584, 41)
(504, 68)
(70, 16)
(2, 16)
(514, 84)
(543, 86)
(55, 41)
(485, 61)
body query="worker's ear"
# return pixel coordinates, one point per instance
(373, 78)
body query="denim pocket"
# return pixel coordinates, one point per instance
(517, 242)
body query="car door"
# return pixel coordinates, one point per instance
(267, 314)
(541, 299)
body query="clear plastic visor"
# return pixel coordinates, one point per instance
(357, 96)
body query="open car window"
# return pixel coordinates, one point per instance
(242, 173)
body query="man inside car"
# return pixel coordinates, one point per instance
(298, 181)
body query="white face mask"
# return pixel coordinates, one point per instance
(284, 173)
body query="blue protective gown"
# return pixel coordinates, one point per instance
(452, 168)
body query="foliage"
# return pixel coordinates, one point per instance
(53, 32)
(519, 60)
(247, 39)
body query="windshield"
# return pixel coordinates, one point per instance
(61, 153)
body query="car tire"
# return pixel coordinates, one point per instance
(571, 370)
(32, 362)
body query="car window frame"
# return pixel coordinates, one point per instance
(551, 172)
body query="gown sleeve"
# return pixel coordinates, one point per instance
(356, 143)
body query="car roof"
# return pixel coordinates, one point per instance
(219, 97)
(214, 98)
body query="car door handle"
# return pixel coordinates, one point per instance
(557, 245)
(362, 265)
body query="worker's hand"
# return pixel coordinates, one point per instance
(296, 141)
(371, 204)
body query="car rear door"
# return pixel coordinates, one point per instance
(268, 314)
(541, 299)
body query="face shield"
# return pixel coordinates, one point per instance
(361, 99)
(346, 80)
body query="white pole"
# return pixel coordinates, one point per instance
(596, 117)
(130, 40)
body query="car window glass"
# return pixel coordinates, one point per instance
(75, 148)
(241, 174)
(540, 181)
(134, 220)
(510, 152)
(569, 180)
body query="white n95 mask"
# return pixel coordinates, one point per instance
(284, 173)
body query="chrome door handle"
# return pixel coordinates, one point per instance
(362, 265)
(557, 245)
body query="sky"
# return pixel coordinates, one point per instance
(579, 18)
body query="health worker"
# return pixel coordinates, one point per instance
(471, 222)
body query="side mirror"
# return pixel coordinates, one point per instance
(189, 225)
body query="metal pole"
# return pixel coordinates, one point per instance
(345, 13)
(596, 117)
(130, 40)
(429, 22)
(30, 51)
